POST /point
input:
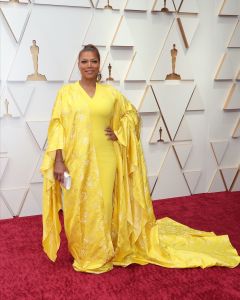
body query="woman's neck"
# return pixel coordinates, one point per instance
(87, 82)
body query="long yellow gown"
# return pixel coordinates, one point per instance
(108, 214)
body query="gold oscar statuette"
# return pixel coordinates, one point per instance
(108, 6)
(173, 75)
(165, 9)
(160, 135)
(35, 52)
(110, 73)
(7, 114)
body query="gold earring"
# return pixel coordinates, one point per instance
(99, 77)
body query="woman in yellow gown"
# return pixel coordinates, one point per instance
(108, 215)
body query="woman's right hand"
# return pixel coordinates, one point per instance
(59, 169)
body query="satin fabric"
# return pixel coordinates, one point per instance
(134, 235)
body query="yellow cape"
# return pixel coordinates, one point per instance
(137, 237)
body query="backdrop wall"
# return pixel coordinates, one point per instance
(198, 117)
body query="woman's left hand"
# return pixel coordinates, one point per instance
(110, 133)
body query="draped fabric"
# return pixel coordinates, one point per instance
(135, 236)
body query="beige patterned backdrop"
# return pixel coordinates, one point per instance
(198, 117)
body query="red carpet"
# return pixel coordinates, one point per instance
(26, 273)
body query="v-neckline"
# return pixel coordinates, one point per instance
(85, 92)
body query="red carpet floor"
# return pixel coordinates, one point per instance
(26, 273)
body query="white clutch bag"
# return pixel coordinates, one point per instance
(66, 181)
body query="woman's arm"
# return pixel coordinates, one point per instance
(59, 166)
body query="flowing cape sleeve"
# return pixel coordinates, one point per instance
(137, 236)
(51, 188)
(133, 211)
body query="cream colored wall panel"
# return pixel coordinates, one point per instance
(3, 165)
(136, 69)
(23, 152)
(123, 36)
(39, 131)
(189, 6)
(55, 57)
(36, 190)
(8, 108)
(31, 206)
(229, 65)
(115, 4)
(182, 152)
(149, 102)
(160, 133)
(148, 122)
(230, 7)
(3, 147)
(219, 149)
(236, 131)
(220, 122)
(42, 100)
(195, 102)
(8, 48)
(4, 211)
(152, 180)
(173, 100)
(141, 5)
(81, 3)
(37, 176)
(148, 26)
(183, 133)
(75, 73)
(16, 3)
(201, 156)
(217, 184)
(235, 38)
(100, 23)
(192, 178)
(16, 17)
(233, 98)
(164, 63)
(120, 59)
(159, 4)
(134, 91)
(22, 95)
(178, 4)
(190, 24)
(228, 175)
(14, 198)
(231, 157)
(236, 184)
(154, 153)
(171, 182)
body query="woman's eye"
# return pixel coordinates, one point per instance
(83, 61)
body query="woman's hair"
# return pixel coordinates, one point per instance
(91, 48)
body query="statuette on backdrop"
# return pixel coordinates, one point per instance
(7, 114)
(110, 78)
(14, 1)
(173, 75)
(160, 135)
(35, 52)
(108, 6)
(165, 9)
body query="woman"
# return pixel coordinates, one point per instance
(108, 214)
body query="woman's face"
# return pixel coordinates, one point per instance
(89, 64)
